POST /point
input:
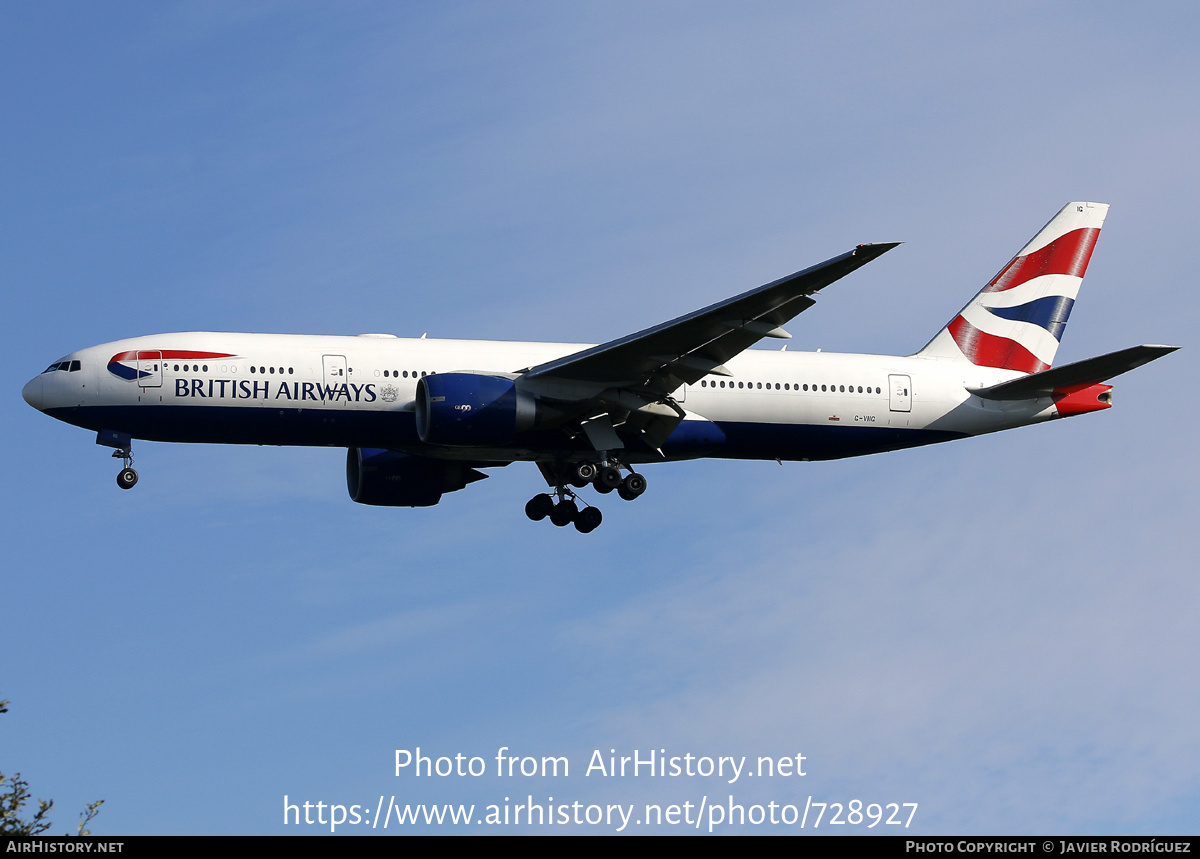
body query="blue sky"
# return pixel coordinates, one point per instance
(1001, 629)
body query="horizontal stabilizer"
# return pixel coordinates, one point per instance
(1088, 372)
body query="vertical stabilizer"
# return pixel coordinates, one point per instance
(1017, 320)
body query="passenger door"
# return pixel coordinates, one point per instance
(900, 388)
(149, 369)
(335, 374)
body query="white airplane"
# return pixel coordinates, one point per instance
(420, 417)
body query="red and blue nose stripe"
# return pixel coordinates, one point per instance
(118, 364)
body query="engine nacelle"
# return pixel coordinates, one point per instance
(387, 478)
(472, 409)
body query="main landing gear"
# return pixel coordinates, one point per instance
(609, 478)
(562, 507)
(564, 511)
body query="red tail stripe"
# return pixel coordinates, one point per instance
(988, 350)
(1068, 254)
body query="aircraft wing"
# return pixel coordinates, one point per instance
(658, 360)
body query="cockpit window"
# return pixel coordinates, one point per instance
(76, 366)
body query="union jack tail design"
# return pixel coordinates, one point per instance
(1016, 321)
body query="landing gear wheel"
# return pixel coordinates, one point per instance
(564, 513)
(632, 486)
(601, 488)
(588, 520)
(539, 507)
(610, 476)
(127, 478)
(586, 472)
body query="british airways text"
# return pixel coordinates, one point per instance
(245, 389)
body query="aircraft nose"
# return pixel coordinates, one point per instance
(32, 392)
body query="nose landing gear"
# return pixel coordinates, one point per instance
(127, 478)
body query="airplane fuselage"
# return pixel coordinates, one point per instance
(272, 389)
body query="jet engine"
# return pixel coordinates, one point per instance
(388, 478)
(472, 409)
